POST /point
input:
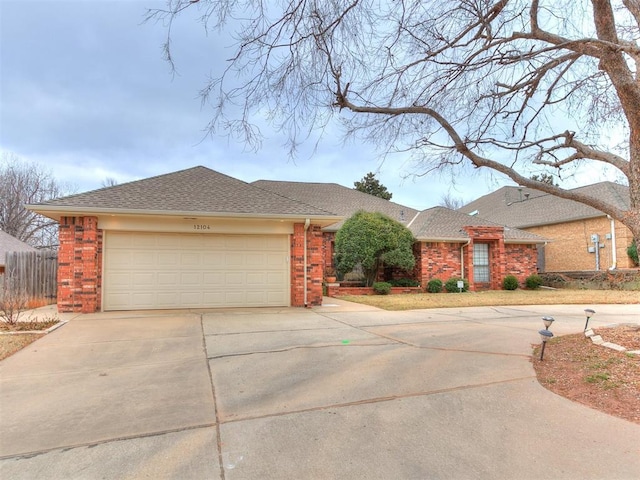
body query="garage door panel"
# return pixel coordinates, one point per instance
(144, 279)
(167, 259)
(234, 278)
(212, 279)
(213, 260)
(146, 241)
(168, 279)
(255, 279)
(144, 259)
(162, 270)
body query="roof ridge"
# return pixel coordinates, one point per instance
(292, 199)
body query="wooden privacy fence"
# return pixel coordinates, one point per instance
(33, 274)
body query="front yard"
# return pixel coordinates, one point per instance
(497, 297)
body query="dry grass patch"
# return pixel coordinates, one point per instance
(495, 298)
(10, 344)
(11, 340)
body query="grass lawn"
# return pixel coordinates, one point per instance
(496, 298)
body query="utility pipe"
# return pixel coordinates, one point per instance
(307, 222)
(462, 258)
(614, 254)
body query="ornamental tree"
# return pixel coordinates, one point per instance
(373, 240)
(521, 87)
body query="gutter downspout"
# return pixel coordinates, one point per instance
(307, 222)
(462, 258)
(614, 254)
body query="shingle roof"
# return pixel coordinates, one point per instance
(197, 189)
(441, 223)
(524, 207)
(438, 223)
(337, 198)
(9, 243)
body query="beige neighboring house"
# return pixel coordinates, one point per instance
(581, 237)
(9, 243)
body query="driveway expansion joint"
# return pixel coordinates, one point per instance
(367, 401)
(299, 347)
(65, 448)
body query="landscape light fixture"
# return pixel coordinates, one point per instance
(544, 335)
(589, 313)
(547, 322)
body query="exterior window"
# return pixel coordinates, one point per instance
(481, 262)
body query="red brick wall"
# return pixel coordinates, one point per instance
(436, 260)
(315, 265)
(79, 265)
(522, 261)
(328, 245)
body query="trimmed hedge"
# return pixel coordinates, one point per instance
(533, 282)
(510, 282)
(382, 288)
(434, 286)
(452, 285)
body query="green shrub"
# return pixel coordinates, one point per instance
(382, 288)
(452, 285)
(533, 282)
(404, 282)
(510, 282)
(632, 251)
(434, 286)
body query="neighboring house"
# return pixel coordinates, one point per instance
(200, 239)
(581, 237)
(10, 243)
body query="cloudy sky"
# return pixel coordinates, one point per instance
(86, 93)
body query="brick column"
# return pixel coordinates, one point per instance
(314, 267)
(79, 265)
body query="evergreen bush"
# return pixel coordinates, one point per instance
(434, 286)
(510, 282)
(452, 285)
(533, 282)
(382, 288)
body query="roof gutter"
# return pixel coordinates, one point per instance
(59, 211)
(462, 257)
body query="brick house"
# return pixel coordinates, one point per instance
(448, 243)
(571, 227)
(200, 239)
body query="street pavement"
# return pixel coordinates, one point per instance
(342, 391)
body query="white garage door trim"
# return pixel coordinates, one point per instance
(145, 271)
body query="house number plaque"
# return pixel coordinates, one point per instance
(199, 226)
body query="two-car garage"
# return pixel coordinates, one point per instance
(183, 270)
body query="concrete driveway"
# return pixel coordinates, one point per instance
(336, 392)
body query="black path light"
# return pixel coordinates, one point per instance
(589, 313)
(544, 335)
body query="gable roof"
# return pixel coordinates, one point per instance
(525, 207)
(444, 224)
(434, 224)
(198, 190)
(9, 243)
(339, 199)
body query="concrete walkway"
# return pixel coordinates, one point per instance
(336, 392)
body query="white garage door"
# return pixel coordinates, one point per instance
(168, 270)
